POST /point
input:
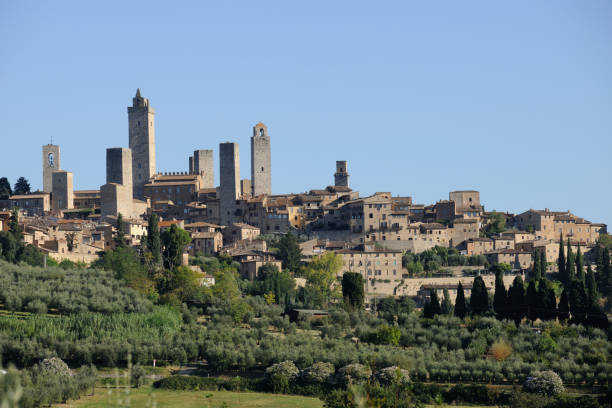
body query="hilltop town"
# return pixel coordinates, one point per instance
(371, 233)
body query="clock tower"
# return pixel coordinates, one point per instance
(50, 163)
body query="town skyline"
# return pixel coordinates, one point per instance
(435, 98)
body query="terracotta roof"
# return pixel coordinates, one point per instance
(201, 224)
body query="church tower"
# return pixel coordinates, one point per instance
(261, 173)
(141, 121)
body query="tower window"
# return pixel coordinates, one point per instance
(262, 169)
(261, 132)
(138, 123)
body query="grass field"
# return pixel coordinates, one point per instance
(148, 397)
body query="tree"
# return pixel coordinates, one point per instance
(460, 306)
(591, 286)
(289, 252)
(563, 276)
(564, 309)
(22, 186)
(271, 280)
(570, 262)
(14, 226)
(479, 301)
(578, 301)
(531, 301)
(497, 224)
(321, 275)
(447, 305)
(70, 240)
(119, 239)
(386, 334)
(8, 247)
(547, 301)
(516, 300)
(5, 189)
(580, 265)
(154, 239)
(546, 383)
(500, 298)
(433, 306)
(174, 241)
(353, 289)
(543, 263)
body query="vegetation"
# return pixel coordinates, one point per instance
(431, 260)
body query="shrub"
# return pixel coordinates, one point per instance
(137, 376)
(280, 375)
(353, 374)
(393, 375)
(317, 373)
(500, 350)
(545, 383)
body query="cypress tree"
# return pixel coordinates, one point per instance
(536, 271)
(547, 301)
(531, 301)
(543, 263)
(561, 263)
(14, 227)
(606, 287)
(427, 310)
(591, 286)
(563, 309)
(479, 300)
(516, 300)
(460, 306)
(153, 238)
(434, 303)
(578, 302)
(570, 261)
(580, 265)
(500, 297)
(120, 235)
(447, 305)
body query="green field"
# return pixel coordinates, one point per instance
(148, 397)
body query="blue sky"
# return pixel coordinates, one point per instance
(513, 99)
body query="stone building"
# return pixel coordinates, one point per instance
(50, 162)
(341, 177)
(37, 203)
(117, 194)
(239, 231)
(463, 228)
(467, 203)
(208, 243)
(176, 190)
(476, 246)
(141, 121)
(62, 196)
(261, 170)
(551, 224)
(517, 259)
(203, 164)
(229, 161)
(84, 199)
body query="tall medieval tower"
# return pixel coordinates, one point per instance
(141, 119)
(261, 174)
(50, 163)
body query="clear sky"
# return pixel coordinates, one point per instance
(510, 98)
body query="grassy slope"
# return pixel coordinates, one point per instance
(146, 396)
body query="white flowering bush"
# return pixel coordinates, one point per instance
(53, 367)
(353, 374)
(280, 375)
(544, 382)
(393, 375)
(317, 373)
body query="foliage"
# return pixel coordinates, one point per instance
(544, 382)
(353, 289)
(271, 281)
(174, 241)
(154, 239)
(137, 376)
(386, 334)
(500, 350)
(22, 186)
(479, 300)
(280, 375)
(460, 305)
(289, 252)
(321, 277)
(317, 373)
(393, 375)
(5, 189)
(353, 374)
(496, 225)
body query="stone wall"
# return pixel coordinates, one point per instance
(261, 172)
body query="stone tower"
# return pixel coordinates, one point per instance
(62, 191)
(229, 162)
(341, 177)
(117, 193)
(261, 172)
(141, 120)
(203, 164)
(50, 163)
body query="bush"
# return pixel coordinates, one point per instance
(500, 350)
(544, 382)
(138, 376)
(317, 373)
(280, 375)
(353, 374)
(393, 375)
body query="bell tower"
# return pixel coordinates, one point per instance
(141, 122)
